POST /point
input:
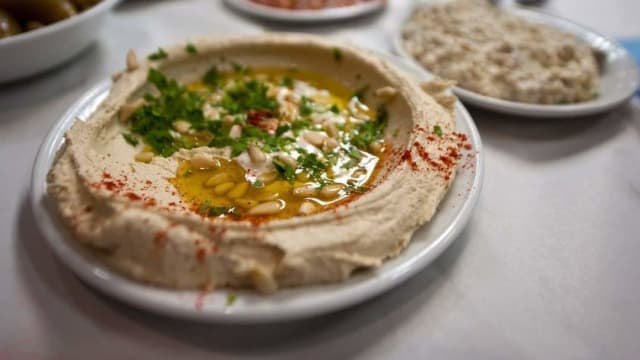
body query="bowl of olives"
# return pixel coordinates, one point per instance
(36, 35)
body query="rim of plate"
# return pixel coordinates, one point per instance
(610, 47)
(329, 14)
(286, 304)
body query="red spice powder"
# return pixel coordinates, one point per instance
(406, 156)
(160, 238)
(201, 254)
(133, 196)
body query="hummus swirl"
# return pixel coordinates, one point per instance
(126, 193)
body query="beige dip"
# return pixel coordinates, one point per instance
(498, 54)
(126, 209)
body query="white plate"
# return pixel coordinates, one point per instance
(428, 242)
(38, 50)
(329, 14)
(620, 77)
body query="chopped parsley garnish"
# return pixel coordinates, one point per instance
(208, 210)
(257, 184)
(286, 171)
(351, 189)
(250, 95)
(191, 49)
(305, 108)
(337, 54)
(299, 125)
(437, 130)
(310, 163)
(360, 92)
(334, 109)
(212, 77)
(287, 81)
(282, 129)
(369, 131)
(239, 69)
(130, 139)
(154, 120)
(158, 55)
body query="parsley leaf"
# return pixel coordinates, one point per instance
(369, 131)
(130, 139)
(305, 108)
(351, 189)
(310, 163)
(231, 298)
(360, 92)
(437, 130)
(286, 171)
(337, 54)
(212, 77)
(287, 81)
(334, 109)
(158, 55)
(191, 49)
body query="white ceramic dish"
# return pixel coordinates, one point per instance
(620, 77)
(283, 15)
(35, 51)
(427, 243)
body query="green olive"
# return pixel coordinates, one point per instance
(83, 5)
(43, 11)
(32, 25)
(8, 25)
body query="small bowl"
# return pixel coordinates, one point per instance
(38, 50)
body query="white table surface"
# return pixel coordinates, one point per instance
(547, 268)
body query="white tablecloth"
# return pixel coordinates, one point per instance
(547, 268)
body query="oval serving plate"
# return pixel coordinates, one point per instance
(306, 16)
(619, 76)
(250, 307)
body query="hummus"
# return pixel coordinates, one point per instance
(498, 54)
(264, 162)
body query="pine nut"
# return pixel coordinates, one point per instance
(145, 157)
(386, 92)
(331, 191)
(228, 119)
(304, 191)
(288, 160)
(331, 129)
(267, 208)
(181, 126)
(303, 177)
(263, 280)
(268, 197)
(238, 190)
(132, 60)
(128, 109)
(235, 132)
(223, 188)
(256, 155)
(307, 208)
(359, 173)
(245, 203)
(314, 138)
(329, 144)
(268, 177)
(376, 147)
(202, 161)
(217, 179)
